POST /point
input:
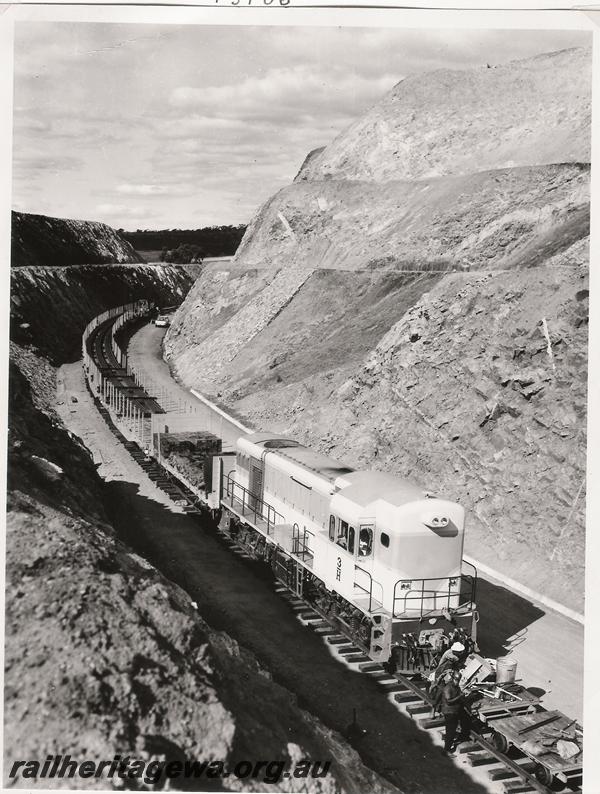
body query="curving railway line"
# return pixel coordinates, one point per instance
(514, 770)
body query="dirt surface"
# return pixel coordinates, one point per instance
(509, 623)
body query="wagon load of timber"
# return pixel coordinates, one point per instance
(186, 452)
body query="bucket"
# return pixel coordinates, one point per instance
(506, 670)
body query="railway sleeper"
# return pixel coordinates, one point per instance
(337, 639)
(419, 708)
(392, 687)
(481, 758)
(431, 722)
(502, 773)
(519, 787)
(357, 657)
(468, 747)
(406, 695)
(371, 667)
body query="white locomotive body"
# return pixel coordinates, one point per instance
(374, 552)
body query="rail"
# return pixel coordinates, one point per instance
(251, 504)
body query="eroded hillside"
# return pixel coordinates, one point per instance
(49, 306)
(39, 240)
(416, 301)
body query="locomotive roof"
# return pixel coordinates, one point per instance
(365, 487)
(304, 456)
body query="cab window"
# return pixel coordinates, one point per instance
(385, 539)
(365, 541)
(331, 527)
(342, 538)
(351, 540)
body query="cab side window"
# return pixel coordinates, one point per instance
(342, 538)
(351, 539)
(365, 541)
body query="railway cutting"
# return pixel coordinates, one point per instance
(371, 562)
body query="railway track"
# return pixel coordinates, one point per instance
(513, 770)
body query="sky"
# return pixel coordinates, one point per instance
(183, 126)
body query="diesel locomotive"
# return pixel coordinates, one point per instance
(379, 557)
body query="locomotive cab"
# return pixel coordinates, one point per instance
(406, 551)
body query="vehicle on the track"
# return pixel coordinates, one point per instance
(373, 552)
(162, 321)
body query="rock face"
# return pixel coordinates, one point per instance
(441, 329)
(50, 306)
(41, 240)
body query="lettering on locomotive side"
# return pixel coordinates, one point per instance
(338, 572)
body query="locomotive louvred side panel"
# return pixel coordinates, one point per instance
(256, 481)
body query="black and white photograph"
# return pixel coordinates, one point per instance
(297, 401)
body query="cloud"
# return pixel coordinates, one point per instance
(288, 95)
(124, 211)
(144, 190)
(37, 165)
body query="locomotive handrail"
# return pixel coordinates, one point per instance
(271, 514)
(371, 582)
(300, 547)
(420, 595)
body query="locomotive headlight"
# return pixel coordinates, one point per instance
(453, 583)
(435, 521)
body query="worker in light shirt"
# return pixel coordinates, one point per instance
(452, 659)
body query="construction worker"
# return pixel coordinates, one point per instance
(450, 702)
(452, 659)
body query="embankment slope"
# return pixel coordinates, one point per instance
(46, 241)
(469, 189)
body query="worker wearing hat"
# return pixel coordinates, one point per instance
(452, 659)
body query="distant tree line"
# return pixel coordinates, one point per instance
(184, 254)
(192, 243)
